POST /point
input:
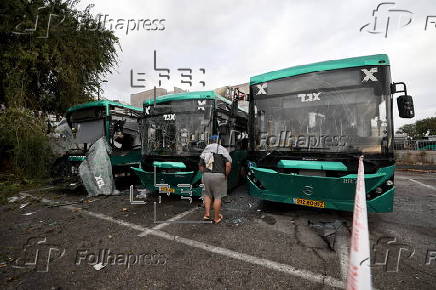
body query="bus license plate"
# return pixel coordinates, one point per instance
(167, 189)
(308, 202)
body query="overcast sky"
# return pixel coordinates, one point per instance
(234, 40)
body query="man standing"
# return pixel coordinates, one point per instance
(216, 164)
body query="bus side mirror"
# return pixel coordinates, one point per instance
(404, 102)
(405, 106)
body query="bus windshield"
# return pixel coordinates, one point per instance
(177, 127)
(88, 125)
(344, 110)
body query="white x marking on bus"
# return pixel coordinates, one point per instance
(261, 89)
(369, 74)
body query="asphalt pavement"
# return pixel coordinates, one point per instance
(51, 239)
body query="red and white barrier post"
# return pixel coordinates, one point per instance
(359, 270)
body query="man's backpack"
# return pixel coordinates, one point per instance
(219, 163)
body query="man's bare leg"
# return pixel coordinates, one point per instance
(217, 209)
(207, 203)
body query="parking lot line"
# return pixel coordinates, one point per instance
(307, 275)
(284, 268)
(168, 222)
(425, 185)
(342, 240)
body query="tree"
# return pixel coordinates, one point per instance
(56, 64)
(427, 125)
(52, 57)
(408, 129)
(420, 128)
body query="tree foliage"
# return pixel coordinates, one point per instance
(408, 129)
(52, 55)
(425, 126)
(26, 142)
(420, 128)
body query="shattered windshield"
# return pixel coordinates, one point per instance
(344, 110)
(88, 125)
(177, 127)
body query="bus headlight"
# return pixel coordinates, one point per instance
(389, 183)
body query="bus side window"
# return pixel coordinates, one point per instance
(241, 141)
(125, 135)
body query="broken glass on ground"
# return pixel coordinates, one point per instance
(328, 230)
(14, 198)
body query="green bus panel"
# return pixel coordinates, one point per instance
(334, 193)
(377, 59)
(173, 179)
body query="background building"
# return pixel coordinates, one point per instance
(138, 99)
(241, 90)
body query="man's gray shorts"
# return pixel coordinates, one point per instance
(215, 185)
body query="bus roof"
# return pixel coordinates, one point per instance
(102, 103)
(187, 96)
(376, 59)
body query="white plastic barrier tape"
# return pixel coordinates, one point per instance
(359, 271)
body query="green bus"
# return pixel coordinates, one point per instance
(176, 128)
(309, 124)
(117, 122)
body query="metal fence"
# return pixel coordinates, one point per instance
(415, 145)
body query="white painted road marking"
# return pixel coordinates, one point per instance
(162, 225)
(307, 275)
(405, 177)
(425, 185)
(342, 242)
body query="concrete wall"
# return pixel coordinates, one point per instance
(407, 157)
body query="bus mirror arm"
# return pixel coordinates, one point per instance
(404, 102)
(234, 108)
(394, 89)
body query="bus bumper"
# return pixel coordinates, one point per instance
(177, 183)
(322, 192)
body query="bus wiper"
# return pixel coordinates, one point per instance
(309, 149)
(268, 154)
(355, 155)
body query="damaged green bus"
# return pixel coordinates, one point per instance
(176, 128)
(309, 124)
(117, 122)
